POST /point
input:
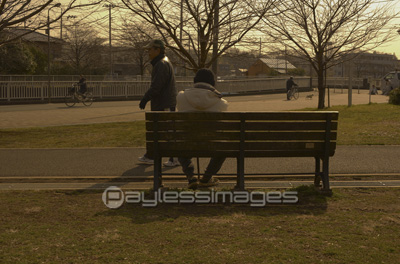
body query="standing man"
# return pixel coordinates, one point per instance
(162, 92)
(289, 85)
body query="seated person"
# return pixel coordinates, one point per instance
(202, 97)
(373, 90)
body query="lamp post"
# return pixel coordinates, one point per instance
(215, 38)
(48, 49)
(73, 17)
(327, 50)
(61, 24)
(109, 36)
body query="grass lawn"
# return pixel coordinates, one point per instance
(123, 134)
(352, 226)
(374, 124)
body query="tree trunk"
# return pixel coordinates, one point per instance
(321, 89)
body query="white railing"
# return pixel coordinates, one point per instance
(38, 90)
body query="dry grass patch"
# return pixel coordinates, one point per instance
(352, 226)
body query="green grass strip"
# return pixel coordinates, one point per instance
(123, 134)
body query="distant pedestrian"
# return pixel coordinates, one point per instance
(162, 92)
(388, 87)
(373, 90)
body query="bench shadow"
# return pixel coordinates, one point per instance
(139, 170)
(310, 203)
(143, 173)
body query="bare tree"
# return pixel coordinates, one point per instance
(83, 49)
(15, 13)
(194, 28)
(323, 31)
(134, 36)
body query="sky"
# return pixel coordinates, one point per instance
(102, 20)
(393, 46)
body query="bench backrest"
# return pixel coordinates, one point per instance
(252, 134)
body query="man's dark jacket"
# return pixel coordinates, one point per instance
(289, 84)
(162, 92)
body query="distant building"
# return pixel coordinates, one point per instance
(37, 39)
(270, 67)
(367, 65)
(234, 63)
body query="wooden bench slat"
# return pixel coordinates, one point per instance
(278, 153)
(248, 154)
(295, 115)
(235, 136)
(165, 147)
(277, 126)
(235, 125)
(193, 125)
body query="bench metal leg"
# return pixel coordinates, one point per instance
(325, 175)
(157, 173)
(198, 168)
(317, 178)
(240, 174)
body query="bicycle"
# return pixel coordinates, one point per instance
(74, 97)
(294, 92)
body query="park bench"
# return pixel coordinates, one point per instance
(243, 135)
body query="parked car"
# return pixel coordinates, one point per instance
(390, 81)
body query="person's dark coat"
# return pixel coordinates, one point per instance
(82, 85)
(289, 84)
(162, 92)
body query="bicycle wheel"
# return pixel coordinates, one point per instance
(88, 99)
(291, 94)
(295, 94)
(70, 100)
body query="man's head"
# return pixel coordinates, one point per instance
(155, 48)
(291, 77)
(205, 76)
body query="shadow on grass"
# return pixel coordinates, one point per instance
(140, 171)
(311, 202)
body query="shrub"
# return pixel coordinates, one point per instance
(394, 96)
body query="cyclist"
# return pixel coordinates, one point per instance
(82, 85)
(289, 84)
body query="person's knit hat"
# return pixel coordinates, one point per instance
(155, 43)
(205, 75)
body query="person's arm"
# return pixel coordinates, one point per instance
(158, 82)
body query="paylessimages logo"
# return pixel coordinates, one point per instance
(113, 197)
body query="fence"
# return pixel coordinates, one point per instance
(39, 90)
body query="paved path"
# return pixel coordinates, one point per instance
(17, 116)
(98, 167)
(123, 162)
